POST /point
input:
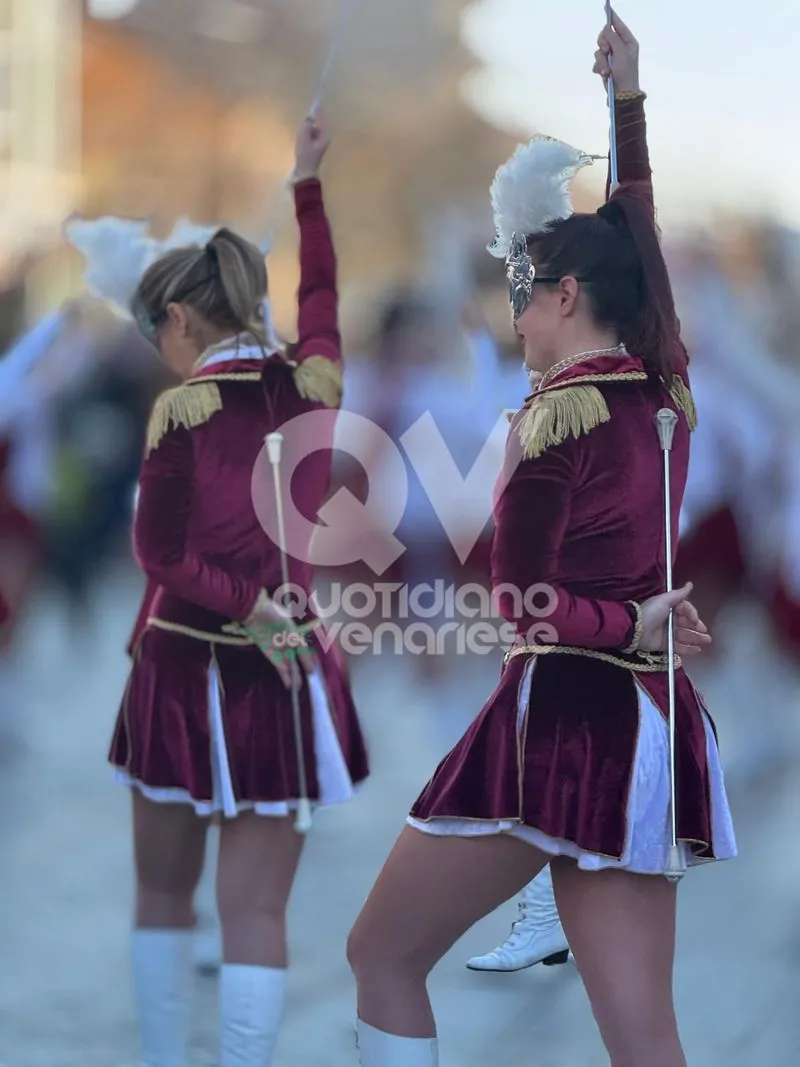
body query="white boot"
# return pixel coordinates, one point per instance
(536, 937)
(251, 1001)
(377, 1049)
(162, 974)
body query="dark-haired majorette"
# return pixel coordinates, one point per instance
(219, 720)
(569, 761)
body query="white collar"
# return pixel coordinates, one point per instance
(232, 349)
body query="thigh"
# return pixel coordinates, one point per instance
(169, 843)
(257, 862)
(621, 929)
(433, 889)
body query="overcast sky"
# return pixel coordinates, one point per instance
(723, 84)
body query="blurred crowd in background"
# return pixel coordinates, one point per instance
(72, 431)
(152, 112)
(157, 109)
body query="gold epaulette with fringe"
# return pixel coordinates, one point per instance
(554, 416)
(319, 379)
(187, 405)
(683, 400)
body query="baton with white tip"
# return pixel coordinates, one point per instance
(666, 421)
(274, 442)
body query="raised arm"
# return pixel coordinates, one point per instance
(317, 324)
(618, 54)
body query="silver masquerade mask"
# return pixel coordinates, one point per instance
(521, 274)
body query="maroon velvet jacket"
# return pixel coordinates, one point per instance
(586, 516)
(196, 533)
(580, 511)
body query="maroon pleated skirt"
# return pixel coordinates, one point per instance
(213, 726)
(559, 748)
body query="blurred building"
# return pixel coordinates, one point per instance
(191, 108)
(40, 140)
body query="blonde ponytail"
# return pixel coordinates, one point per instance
(242, 276)
(225, 282)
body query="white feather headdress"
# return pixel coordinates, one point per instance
(118, 251)
(531, 190)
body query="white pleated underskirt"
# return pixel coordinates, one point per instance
(335, 784)
(647, 835)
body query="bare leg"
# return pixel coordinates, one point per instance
(621, 927)
(169, 847)
(258, 858)
(429, 893)
(169, 842)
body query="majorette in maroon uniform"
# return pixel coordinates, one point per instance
(568, 762)
(194, 506)
(221, 716)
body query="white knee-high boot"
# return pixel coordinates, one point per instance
(162, 974)
(377, 1049)
(251, 1002)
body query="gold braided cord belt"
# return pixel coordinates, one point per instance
(638, 662)
(236, 634)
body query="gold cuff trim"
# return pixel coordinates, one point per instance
(630, 94)
(320, 380)
(182, 407)
(645, 662)
(638, 628)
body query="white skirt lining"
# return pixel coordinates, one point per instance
(335, 784)
(647, 833)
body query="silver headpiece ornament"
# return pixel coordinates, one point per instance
(529, 192)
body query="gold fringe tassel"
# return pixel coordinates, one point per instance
(555, 416)
(683, 400)
(187, 405)
(319, 379)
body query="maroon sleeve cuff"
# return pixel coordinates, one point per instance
(307, 196)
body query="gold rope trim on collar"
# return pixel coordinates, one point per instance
(683, 400)
(182, 407)
(555, 415)
(320, 380)
(590, 379)
(233, 376)
(644, 663)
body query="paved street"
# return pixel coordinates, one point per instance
(66, 890)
